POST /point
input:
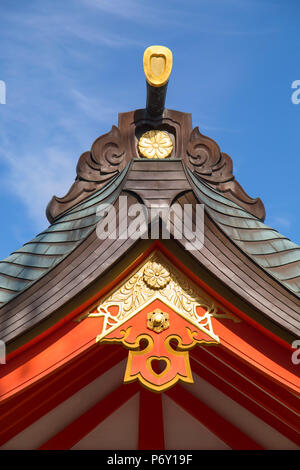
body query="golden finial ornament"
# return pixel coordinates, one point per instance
(157, 62)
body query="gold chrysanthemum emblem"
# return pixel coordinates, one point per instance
(155, 144)
(156, 276)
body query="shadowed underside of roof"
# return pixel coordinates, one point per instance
(275, 253)
(33, 260)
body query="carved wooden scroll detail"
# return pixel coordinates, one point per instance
(206, 160)
(112, 151)
(95, 168)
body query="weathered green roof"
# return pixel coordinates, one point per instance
(29, 263)
(274, 252)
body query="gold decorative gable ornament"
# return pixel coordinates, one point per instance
(159, 315)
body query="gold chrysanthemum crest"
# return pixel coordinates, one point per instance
(156, 276)
(155, 144)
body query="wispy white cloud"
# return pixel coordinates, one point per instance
(52, 55)
(46, 108)
(132, 10)
(94, 108)
(35, 178)
(282, 221)
(180, 14)
(27, 36)
(96, 36)
(204, 127)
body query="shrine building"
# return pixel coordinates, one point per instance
(157, 310)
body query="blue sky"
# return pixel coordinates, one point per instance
(70, 66)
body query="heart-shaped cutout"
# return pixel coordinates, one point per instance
(158, 366)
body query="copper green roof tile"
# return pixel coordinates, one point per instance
(32, 261)
(274, 252)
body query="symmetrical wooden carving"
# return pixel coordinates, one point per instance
(94, 169)
(111, 152)
(206, 160)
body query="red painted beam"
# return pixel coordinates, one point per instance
(83, 425)
(233, 392)
(21, 411)
(266, 382)
(223, 429)
(287, 419)
(221, 300)
(151, 424)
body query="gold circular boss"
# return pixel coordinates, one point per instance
(155, 144)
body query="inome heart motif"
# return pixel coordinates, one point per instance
(158, 365)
